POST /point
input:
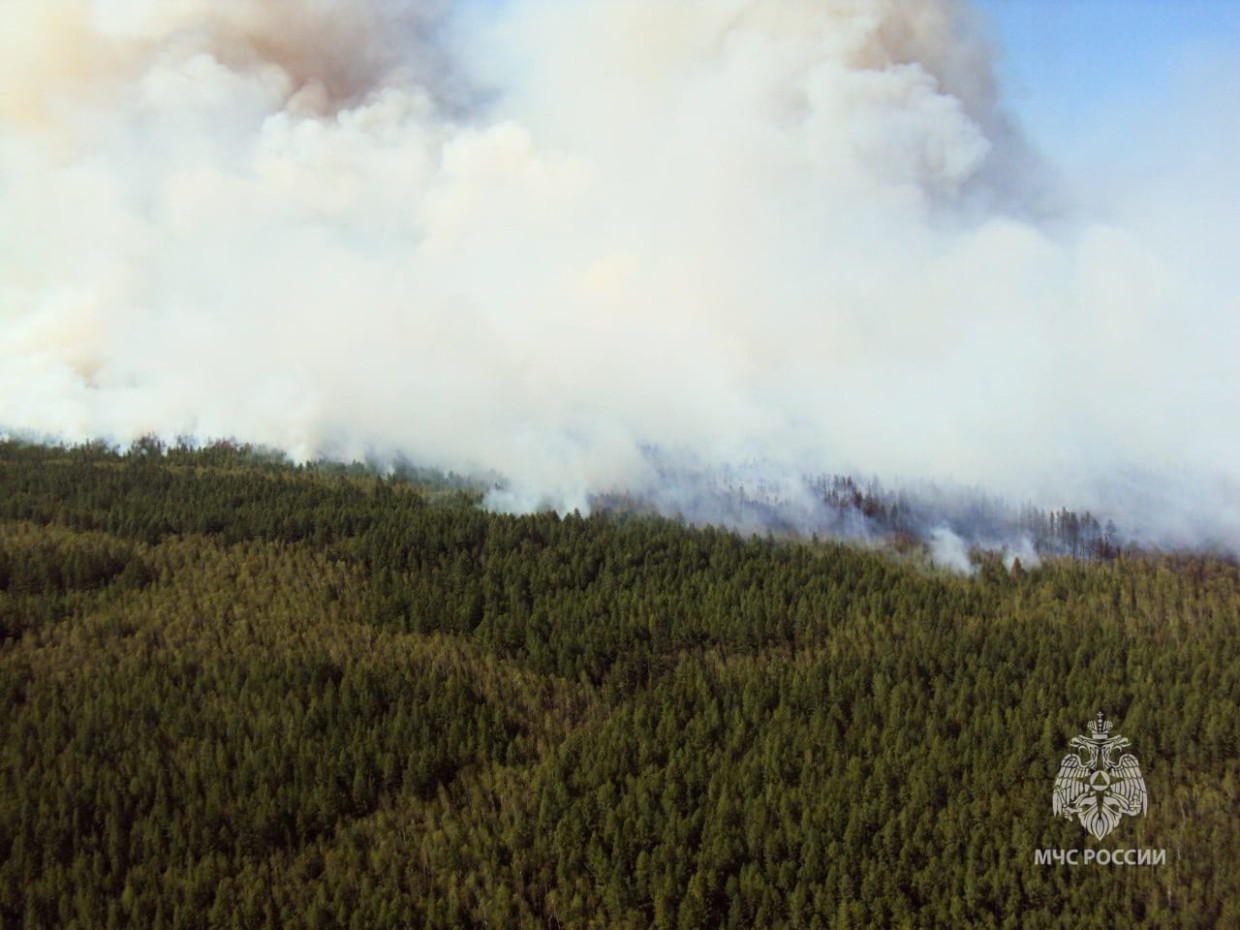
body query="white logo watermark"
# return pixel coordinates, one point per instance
(1099, 790)
(1100, 857)
(1096, 788)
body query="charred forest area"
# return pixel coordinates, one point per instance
(238, 692)
(844, 508)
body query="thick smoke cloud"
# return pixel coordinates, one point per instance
(544, 237)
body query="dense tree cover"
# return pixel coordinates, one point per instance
(241, 693)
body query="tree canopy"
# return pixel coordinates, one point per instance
(238, 692)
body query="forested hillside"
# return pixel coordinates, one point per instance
(241, 694)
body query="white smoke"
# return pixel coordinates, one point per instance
(542, 236)
(949, 551)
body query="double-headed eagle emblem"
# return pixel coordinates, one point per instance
(1095, 788)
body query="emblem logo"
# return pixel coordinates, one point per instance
(1093, 786)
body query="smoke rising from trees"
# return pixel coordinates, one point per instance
(543, 237)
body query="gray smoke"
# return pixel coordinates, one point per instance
(542, 237)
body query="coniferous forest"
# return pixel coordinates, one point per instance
(239, 693)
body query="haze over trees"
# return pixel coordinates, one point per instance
(241, 693)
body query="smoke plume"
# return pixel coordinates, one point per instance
(543, 237)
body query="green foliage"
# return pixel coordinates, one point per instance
(237, 692)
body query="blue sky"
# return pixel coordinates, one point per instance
(1074, 69)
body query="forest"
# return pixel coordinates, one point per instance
(239, 692)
